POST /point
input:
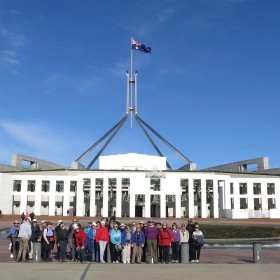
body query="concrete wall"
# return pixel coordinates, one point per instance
(6, 193)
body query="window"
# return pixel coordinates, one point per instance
(45, 186)
(31, 186)
(257, 188)
(231, 188)
(17, 186)
(73, 185)
(59, 186)
(243, 188)
(270, 188)
(155, 184)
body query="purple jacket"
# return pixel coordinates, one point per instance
(151, 233)
(176, 235)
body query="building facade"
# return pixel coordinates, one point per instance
(140, 193)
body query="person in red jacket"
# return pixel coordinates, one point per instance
(80, 240)
(165, 239)
(102, 238)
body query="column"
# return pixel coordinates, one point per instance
(52, 197)
(236, 195)
(132, 204)
(277, 194)
(250, 195)
(23, 196)
(203, 205)
(264, 196)
(119, 198)
(163, 206)
(92, 205)
(227, 197)
(191, 199)
(37, 207)
(215, 199)
(80, 205)
(66, 197)
(147, 205)
(105, 198)
(178, 205)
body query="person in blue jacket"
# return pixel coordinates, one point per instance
(14, 244)
(90, 242)
(138, 242)
(115, 242)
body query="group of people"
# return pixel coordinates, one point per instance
(105, 241)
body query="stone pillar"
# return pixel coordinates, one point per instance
(52, 197)
(250, 195)
(191, 199)
(66, 197)
(227, 197)
(92, 206)
(236, 202)
(105, 198)
(37, 208)
(264, 196)
(277, 194)
(215, 199)
(132, 204)
(119, 198)
(80, 204)
(163, 206)
(23, 196)
(203, 199)
(147, 205)
(178, 205)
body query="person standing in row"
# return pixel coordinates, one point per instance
(62, 240)
(165, 240)
(138, 242)
(35, 236)
(151, 233)
(116, 238)
(175, 243)
(24, 234)
(80, 241)
(102, 238)
(126, 244)
(14, 244)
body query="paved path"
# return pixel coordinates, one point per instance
(138, 272)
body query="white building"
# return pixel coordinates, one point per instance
(140, 186)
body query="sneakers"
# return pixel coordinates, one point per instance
(117, 261)
(11, 256)
(102, 261)
(176, 261)
(10, 246)
(124, 262)
(193, 260)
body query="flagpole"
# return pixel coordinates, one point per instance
(131, 84)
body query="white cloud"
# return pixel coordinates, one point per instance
(9, 57)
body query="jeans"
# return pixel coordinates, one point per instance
(175, 250)
(102, 247)
(151, 251)
(81, 253)
(62, 249)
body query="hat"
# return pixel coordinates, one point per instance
(49, 223)
(75, 227)
(75, 220)
(151, 222)
(94, 224)
(43, 222)
(60, 221)
(16, 222)
(34, 220)
(141, 222)
(122, 225)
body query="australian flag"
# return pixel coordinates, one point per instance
(135, 45)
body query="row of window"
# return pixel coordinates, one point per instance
(243, 188)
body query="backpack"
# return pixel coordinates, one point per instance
(199, 241)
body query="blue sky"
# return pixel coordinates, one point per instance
(210, 86)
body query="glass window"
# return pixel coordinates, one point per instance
(59, 186)
(45, 186)
(31, 186)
